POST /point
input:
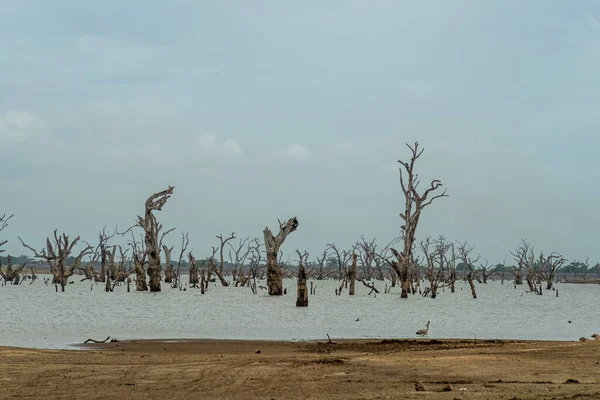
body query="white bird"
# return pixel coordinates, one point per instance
(424, 331)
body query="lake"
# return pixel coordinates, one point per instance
(36, 316)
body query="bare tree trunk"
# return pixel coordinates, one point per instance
(140, 273)
(169, 272)
(272, 245)
(194, 281)
(151, 229)
(352, 275)
(302, 293)
(470, 280)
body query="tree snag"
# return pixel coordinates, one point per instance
(194, 279)
(414, 205)
(57, 254)
(352, 274)
(302, 293)
(151, 230)
(272, 245)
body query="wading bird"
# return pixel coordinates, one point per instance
(424, 331)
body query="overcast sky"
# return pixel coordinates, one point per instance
(259, 110)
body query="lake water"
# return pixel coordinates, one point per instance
(36, 316)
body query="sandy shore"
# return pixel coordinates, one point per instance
(368, 369)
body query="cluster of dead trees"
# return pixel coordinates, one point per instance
(402, 261)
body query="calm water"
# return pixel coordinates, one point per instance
(36, 316)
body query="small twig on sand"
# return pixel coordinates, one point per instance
(330, 342)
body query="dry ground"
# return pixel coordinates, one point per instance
(373, 369)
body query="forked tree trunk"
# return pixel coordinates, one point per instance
(169, 272)
(272, 245)
(302, 294)
(352, 275)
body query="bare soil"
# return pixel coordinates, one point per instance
(369, 369)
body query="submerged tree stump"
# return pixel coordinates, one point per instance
(302, 293)
(352, 275)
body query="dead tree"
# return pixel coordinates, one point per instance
(212, 264)
(57, 253)
(486, 271)
(302, 293)
(431, 272)
(12, 275)
(169, 271)
(151, 230)
(272, 245)
(525, 258)
(241, 252)
(102, 250)
(549, 267)
(139, 254)
(414, 205)
(342, 259)
(194, 279)
(185, 241)
(464, 255)
(352, 274)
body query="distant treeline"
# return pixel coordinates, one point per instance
(575, 267)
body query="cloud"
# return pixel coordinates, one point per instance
(21, 126)
(296, 151)
(209, 144)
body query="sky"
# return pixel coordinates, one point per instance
(265, 110)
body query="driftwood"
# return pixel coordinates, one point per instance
(272, 245)
(113, 340)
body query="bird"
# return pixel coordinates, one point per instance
(424, 331)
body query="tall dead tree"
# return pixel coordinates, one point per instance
(272, 245)
(57, 253)
(302, 292)
(151, 230)
(415, 203)
(169, 271)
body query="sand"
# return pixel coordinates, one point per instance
(368, 369)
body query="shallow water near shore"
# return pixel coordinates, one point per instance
(36, 316)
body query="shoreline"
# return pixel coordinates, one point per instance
(350, 368)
